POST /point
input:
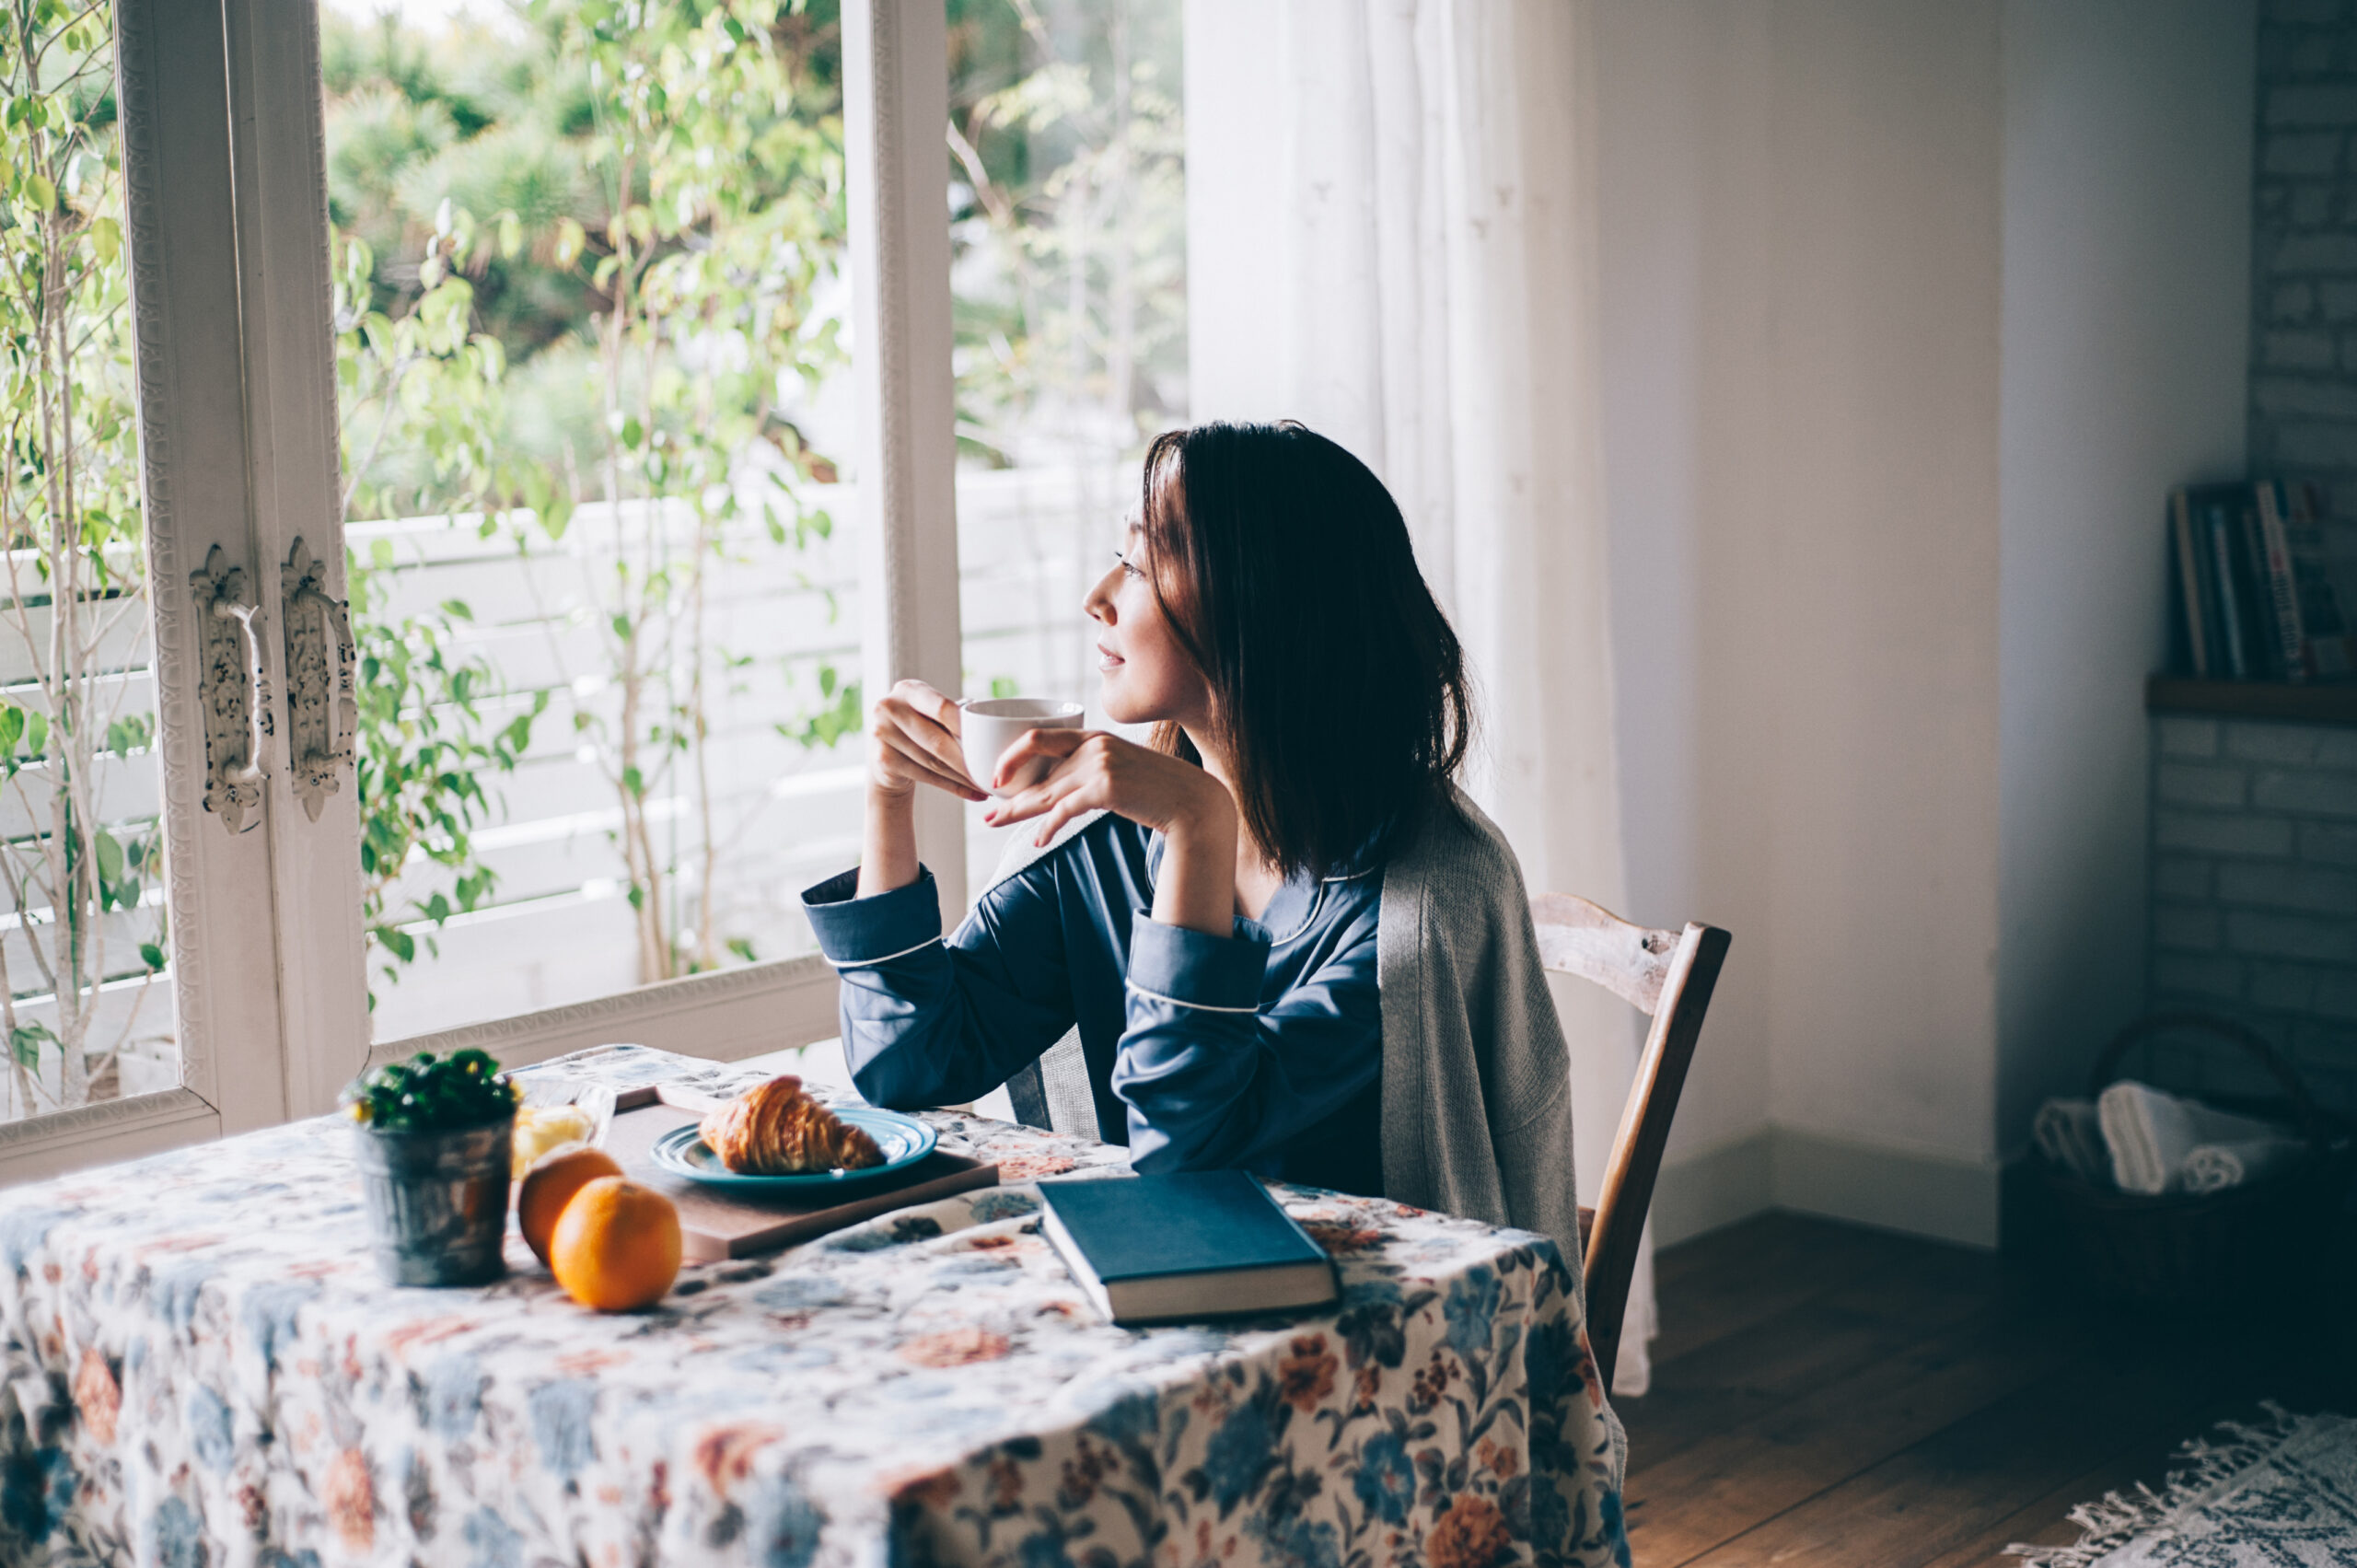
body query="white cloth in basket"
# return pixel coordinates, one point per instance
(2153, 1134)
(2214, 1168)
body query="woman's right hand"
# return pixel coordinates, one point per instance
(913, 739)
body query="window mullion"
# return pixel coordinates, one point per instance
(896, 107)
(289, 355)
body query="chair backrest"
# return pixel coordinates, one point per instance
(1668, 976)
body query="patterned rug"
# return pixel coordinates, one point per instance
(2278, 1494)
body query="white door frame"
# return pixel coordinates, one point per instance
(173, 93)
(233, 328)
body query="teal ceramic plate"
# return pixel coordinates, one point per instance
(904, 1139)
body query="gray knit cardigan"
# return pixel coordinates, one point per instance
(1477, 1087)
(1477, 1094)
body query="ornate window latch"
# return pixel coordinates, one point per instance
(234, 691)
(321, 715)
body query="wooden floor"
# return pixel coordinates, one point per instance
(1832, 1395)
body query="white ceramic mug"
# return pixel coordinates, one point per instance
(988, 726)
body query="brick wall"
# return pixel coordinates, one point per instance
(2304, 250)
(2253, 882)
(2254, 862)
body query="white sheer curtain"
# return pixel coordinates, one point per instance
(1391, 212)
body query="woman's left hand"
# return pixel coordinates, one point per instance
(1096, 772)
(1190, 809)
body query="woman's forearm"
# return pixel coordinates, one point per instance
(1196, 884)
(889, 859)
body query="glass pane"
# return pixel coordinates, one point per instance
(594, 395)
(1068, 222)
(85, 990)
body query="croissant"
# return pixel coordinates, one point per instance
(774, 1129)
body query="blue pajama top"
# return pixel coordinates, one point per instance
(1261, 1050)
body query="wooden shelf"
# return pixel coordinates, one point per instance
(2334, 704)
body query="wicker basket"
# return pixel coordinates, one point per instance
(2181, 1252)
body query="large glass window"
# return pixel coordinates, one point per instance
(597, 421)
(85, 1002)
(595, 418)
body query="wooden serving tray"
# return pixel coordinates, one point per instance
(717, 1224)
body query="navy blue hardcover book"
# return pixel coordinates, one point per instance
(1193, 1244)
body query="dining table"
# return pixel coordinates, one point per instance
(200, 1367)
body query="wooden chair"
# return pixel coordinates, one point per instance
(1667, 976)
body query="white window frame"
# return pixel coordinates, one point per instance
(226, 189)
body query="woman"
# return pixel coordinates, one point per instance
(1288, 943)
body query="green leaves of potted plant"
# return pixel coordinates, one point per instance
(430, 1139)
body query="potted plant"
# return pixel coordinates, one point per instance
(431, 1137)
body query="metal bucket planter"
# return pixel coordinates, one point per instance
(437, 1202)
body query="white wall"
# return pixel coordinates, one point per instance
(1800, 273)
(1683, 217)
(2126, 328)
(1900, 362)
(1877, 486)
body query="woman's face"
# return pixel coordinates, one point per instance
(1148, 676)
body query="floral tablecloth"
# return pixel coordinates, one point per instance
(201, 1370)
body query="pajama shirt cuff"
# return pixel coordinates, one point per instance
(856, 933)
(1192, 969)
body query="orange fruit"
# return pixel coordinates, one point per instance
(617, 1245)
(550, 1185)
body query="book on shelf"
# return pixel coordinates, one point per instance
(1181, 1245)
(2228, 602)
(2262, 644)
(2187, 587)
(2218, 533)
(2262, 584)
(2274, 559)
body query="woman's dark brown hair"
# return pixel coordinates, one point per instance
(1338, 688)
